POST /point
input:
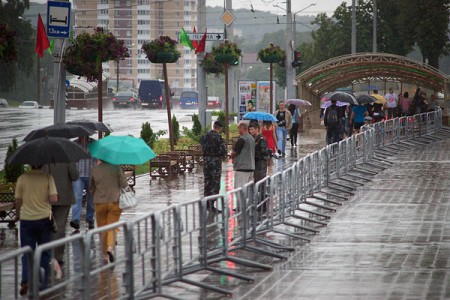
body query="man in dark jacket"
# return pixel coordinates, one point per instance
(213, 152)
(333, 121)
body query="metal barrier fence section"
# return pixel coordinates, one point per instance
(171, 245)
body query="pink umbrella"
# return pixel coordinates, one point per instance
(328, 104)
(298, 102)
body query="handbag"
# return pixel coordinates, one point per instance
(127, 198)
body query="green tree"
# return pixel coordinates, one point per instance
(197, 126)
(175, 129)
(12, 172)
(11, 12)
(147, 134)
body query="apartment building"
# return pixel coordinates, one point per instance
(138, 21)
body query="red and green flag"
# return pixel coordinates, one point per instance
(184, 39)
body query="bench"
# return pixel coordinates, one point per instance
(7, 209)
(197, 152)
(163, 166)
(187, 162)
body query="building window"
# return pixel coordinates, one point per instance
(104, 1)
(117, 13)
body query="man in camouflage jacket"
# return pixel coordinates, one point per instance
(214, 151)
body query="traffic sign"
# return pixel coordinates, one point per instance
(209, 36)
(227, 18)
(58, 19)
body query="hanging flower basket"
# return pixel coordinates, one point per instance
(89, 51)
(162, 50)
(271, 54)
(210, 66)
(8, 49)
(226, 53)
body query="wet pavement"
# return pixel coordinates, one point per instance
(388, 241)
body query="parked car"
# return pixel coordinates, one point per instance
(189, 100)
(214, 102)
(3, 103)
(30, 104)
(152, 94)
(126, 99)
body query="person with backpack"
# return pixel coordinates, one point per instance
(333, 123)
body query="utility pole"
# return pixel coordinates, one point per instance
(59, 93)
(232, 105)
(353, 26)
(290, 92)
(201, 75)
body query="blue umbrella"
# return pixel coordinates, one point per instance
(121, 150)
(370, 88)
(260, 116)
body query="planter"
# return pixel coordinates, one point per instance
(226, 58)
(164, 57)
(274, 58)
(7, 209)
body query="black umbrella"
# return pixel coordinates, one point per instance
(47, 150)
(60, 130)
(343, 97)
(364, 99)
(94, 125)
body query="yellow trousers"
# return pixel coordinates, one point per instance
(107, 213)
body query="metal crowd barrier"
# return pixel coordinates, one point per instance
(162, 248)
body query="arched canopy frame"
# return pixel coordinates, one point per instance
(364, 67)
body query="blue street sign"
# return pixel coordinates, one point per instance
(58, 19)
(67, 83)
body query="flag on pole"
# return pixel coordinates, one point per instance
(52, 46)
(41, 38)
(184, 39)
(201, 46)
(195, 42)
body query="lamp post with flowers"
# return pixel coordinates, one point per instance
(86, 55)
(163, 50)
(271, 54)
(226, 53)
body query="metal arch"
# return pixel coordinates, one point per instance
(352, 69)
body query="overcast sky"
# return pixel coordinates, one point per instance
(327, 6)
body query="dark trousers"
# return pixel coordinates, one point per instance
(212, 170)
(333, 134)
(293, 134)
(32, 233)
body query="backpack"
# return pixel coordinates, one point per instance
(332, 117)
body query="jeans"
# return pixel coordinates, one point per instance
(32, 233)
(78, 186)
(281, 137)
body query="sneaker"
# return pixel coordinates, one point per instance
(75, 224)
(279, 152)
(110, 256)
(23, 289)
(90, 224)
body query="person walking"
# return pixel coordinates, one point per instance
(333, 121)
(284, 123)
(64, 174)
(359, 112)
(105, 183)
(268, 131)
(243, 155)
(391, 103)
(295, 113)
(214, 151)
(82, 184)
(34, 194)
(405, 104)
(379, 107)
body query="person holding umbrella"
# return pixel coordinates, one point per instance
(105, 183)
(332, 120)
(34, 194)
(82, 183)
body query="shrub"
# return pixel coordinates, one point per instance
(147, 134)
(12, 172)
(175, 130)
